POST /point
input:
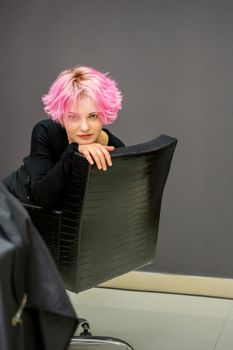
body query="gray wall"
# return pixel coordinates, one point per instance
(174, 62)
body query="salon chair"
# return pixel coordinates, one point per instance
(109, 224)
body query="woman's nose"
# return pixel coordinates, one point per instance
(84, 125)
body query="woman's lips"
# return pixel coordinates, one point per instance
(85, 136)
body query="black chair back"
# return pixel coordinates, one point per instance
(110, 221)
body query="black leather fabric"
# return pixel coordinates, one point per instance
(110, 221)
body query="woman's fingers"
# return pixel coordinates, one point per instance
(99, 159)
(99, 154)
(106, 150)
(107, 157)
(109, 148)
(88, 157)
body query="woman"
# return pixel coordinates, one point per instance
(80, 102)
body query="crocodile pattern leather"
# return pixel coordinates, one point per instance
(109, 225)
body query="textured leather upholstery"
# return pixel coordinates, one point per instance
(109, 224)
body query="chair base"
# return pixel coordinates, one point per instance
(99, 343)
(87, 341)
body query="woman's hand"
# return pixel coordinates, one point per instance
(97, 153)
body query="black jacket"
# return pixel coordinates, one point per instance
(43, 177)
(29, 278)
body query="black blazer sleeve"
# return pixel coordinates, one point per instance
(48, 176)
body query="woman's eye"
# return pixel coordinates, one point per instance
(73, 117)
(93, 116)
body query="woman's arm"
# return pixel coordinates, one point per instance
(48, 173)
(48, 176)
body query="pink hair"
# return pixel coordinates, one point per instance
(78, 82)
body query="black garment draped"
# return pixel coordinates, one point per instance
(29, 278)
(43, 177)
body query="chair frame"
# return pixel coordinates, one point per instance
(90, 247)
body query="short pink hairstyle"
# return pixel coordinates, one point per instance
(78, 82)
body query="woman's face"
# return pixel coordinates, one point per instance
(82, 123)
